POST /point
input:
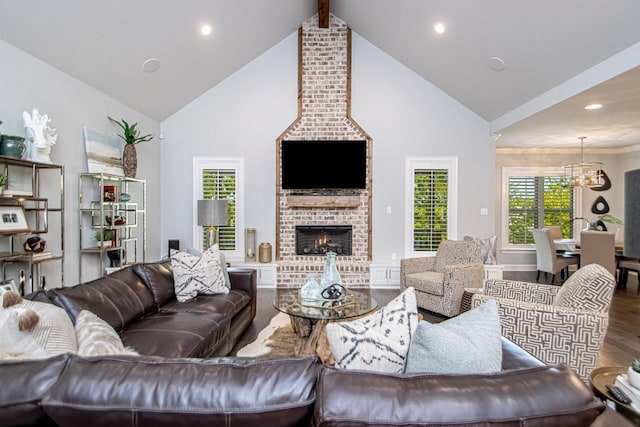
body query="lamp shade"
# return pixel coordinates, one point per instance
(213, 212)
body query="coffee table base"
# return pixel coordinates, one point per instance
(311, 338)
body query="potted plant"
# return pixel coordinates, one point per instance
(131, 136)
(104, 236)
(633, 373)
(598, 224)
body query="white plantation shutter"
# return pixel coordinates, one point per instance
(431, 203)
(220, 184)
(536, 201)
(221, 178)
(430, 208)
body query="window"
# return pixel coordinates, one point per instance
(220, 178)
(533, 198)
(431, 205)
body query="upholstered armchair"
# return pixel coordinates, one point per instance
(440, 280)
(556, 324)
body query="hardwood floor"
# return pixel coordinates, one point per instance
(622, 343)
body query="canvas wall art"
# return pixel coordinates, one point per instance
(104, 152)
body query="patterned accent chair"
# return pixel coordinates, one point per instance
(440, 280)
(556, 324)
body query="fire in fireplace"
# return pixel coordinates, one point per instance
(320, 239)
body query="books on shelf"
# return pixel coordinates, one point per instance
(633, 393)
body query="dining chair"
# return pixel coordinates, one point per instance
(556, 234)
(625, 265)
(547, 259)
(598, 247)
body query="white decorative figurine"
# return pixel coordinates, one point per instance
(40, 136)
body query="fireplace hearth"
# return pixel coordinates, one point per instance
(320, 239)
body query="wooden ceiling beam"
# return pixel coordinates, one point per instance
(323, 13)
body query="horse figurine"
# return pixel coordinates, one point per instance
(40, 136)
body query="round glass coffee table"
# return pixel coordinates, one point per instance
(308, 318)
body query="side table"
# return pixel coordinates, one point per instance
(599, 379)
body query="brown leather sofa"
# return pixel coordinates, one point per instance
(173, 388)
(69, 390)
(139, 303)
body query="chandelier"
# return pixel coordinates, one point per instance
(583, 174)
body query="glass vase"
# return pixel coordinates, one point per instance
(330, 276)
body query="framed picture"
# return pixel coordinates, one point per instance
(109, 193)
(13, 220)
(8, 285)
(104, 152)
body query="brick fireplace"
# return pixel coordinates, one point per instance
(324, 113)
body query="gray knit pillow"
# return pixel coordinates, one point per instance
(470, 343)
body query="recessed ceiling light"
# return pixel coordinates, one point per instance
(151, 65)
(439, 27)
(593, 107)
(205, 29)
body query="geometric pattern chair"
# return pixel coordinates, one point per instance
(556, 324)
(439, 280)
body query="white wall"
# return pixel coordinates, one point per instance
(404, 114)
(25, 83)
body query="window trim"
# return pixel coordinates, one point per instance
(413, 163)
(237, 163)
(509, 171)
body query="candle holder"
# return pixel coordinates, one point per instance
(250, 244)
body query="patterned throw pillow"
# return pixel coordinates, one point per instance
(16, 344)
(378, 342)
(193, 275)
(96, 337)
(223, 261)
(488, 247)
(470, 343)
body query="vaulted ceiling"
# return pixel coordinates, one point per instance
(552, 52)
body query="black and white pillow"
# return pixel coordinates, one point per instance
(193, 275)
(378, 342)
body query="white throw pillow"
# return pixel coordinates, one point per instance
(223, 261)
(470, 343)
(16, 344)
(378, 342)
(193, 275)
(96, 337)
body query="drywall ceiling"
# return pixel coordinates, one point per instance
(543, 44)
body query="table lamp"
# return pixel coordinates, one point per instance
(212, 214)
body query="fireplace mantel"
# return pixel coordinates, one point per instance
(325, 202)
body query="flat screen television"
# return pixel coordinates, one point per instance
(324, 165)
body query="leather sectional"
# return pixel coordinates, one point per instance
(176, 382)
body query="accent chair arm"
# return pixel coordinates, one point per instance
(521, 291)
(553, 334)
(417, 265)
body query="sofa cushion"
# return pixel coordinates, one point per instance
(24, 383)
(225, 304)
(547, 395)
(120, 391)
(96, 337)
(466, 344)
(377, 342)
(119, 298)
(430, 282)
(158, 276)
(193, 275)
(176, 334)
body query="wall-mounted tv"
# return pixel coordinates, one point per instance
(324, 165)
